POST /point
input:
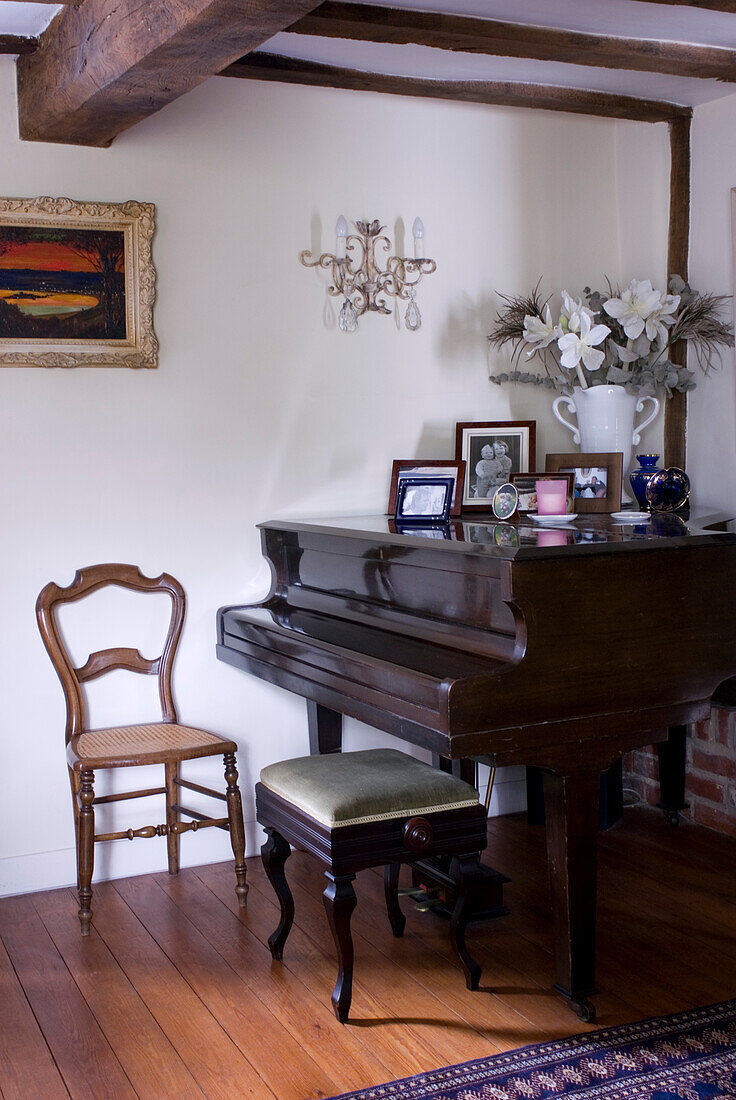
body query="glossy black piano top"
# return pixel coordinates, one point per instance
(525, 538)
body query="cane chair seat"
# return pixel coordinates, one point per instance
(150, 743)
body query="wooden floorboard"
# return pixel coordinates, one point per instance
(152, 1065)
(80, 1049)
(22, 1043)
(174, 993)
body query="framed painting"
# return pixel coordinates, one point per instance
(427, 467)
(492, 453)
(597, 478)
(77, 284)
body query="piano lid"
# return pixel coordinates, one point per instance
(524, 538)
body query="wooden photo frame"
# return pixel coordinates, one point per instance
(427, 467)
(598, 478)
(77, 284)
(526, 486)
(486, 471)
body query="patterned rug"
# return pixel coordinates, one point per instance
(690, 1056)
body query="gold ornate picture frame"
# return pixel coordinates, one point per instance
(77, 284)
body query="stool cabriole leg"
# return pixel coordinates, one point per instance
(274, 854)
(237, 830)
(391, 888)
(86, 847)
(340, 900)
(466, 871)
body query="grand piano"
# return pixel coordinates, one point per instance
(559, 648)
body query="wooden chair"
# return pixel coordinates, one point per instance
(364, 809)
(166, 742)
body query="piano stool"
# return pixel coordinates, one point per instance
(364, 809)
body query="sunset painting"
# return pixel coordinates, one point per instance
(62, 284)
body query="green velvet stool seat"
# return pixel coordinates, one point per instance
(377, 807)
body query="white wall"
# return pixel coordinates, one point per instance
(259, 406)
(711, 439)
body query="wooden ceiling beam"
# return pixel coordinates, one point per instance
(17, 43)
(101, 67)
(366, 23)
(709, 5)
(265, 66)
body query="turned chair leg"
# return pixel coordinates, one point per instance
(467, 874)
(86, 847)
(274, 854)
(172, 817)
(391, 889)
(340, 900)
(74, 785)
(237, 830)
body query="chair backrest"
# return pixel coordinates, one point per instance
(85, 582)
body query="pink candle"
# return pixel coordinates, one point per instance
(552, 538)
(552, 497)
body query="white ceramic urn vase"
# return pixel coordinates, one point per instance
(605, 416)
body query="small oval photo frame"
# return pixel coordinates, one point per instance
(505, 501)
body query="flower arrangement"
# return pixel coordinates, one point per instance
(622, 339)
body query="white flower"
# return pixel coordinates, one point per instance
(574, 347)
(572, 312)
(660, 319)
(540, 332)
(626, 355)
(638, 302)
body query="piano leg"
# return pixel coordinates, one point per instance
(572, 824)
(325, 728)
(461, 768)
(672, 770)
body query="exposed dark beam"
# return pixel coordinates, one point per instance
(366, 23)
(678, 247)
(711, 5)
(263, 66)
(17, 43)
(101, 67)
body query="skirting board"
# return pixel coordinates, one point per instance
(48, 870)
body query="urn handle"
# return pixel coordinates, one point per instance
(636, 439)
(570, 402)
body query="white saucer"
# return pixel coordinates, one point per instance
(631, 517)
(554, 521)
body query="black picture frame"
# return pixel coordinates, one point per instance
(424, 500)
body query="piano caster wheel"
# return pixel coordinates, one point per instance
(584, 1010)
(672, 816)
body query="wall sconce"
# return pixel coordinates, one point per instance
(358, 278)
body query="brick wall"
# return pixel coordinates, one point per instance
(711, 772)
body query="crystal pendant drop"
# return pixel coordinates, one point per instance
(348, 320)
(413, 318)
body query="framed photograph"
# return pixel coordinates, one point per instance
(526, 484)
(432, 467)
(492, 453)
(77, 284)
(424, 500)
(505, 501)
(597, 478)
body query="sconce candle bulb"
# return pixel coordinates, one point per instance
(341, 232)
(359, 278)
(417, 232)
